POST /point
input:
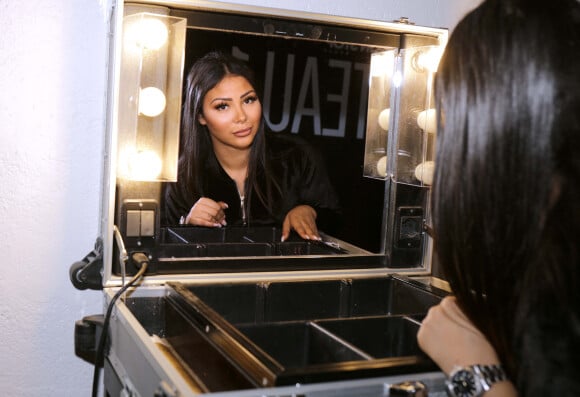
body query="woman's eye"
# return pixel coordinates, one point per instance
(251, 99)
(221, 106)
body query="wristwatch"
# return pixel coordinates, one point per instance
(474, 380)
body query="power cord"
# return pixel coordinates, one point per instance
(142, 262)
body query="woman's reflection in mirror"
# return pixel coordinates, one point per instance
(233, 171)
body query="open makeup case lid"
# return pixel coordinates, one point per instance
(234, 309)
(360, 91)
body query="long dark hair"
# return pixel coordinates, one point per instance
(508, 167)
(197, 147)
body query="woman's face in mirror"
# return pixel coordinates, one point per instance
(232, 113)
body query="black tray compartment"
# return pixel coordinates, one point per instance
(185, 249)
(287, 332)
(301, 344)
(233, 336)
(378, 337)
(192, 241)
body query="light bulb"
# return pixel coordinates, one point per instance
(382, 166)
(149, 33)
(384, 118)
(429, 60)
(382, 64)
(427, 121)
(424, 172)
(151, 101)
(144, 165)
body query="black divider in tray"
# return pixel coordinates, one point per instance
(301, 344)
(280, 333)
(379, 337)
(303, 348)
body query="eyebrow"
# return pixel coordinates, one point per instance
(229, 99)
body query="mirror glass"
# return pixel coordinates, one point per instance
(315, 83)
(313, 87)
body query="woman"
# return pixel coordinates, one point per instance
(506, 198)
(232, 172)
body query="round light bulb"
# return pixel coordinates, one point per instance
(382, 64)
(424, 172)
(429, 60)
(149, 33)
(145, 165)
(384, 118)
(151, 101)
(382, 166)
(427, 121)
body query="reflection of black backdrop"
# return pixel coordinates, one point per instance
(322, 85)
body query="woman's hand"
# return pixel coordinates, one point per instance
(451, 339)
(207, 212)
(302, 219)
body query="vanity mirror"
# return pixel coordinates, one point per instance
(358, 92)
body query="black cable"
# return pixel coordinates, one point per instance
(142, 261)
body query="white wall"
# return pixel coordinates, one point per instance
(52, 90)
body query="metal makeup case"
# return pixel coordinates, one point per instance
(233, 310)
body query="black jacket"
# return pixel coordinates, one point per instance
(299, 170)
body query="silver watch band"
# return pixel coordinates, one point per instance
(474, 380)
(489, 374)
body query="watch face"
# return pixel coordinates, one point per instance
(463, 383)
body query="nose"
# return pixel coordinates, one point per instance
(240, 115)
